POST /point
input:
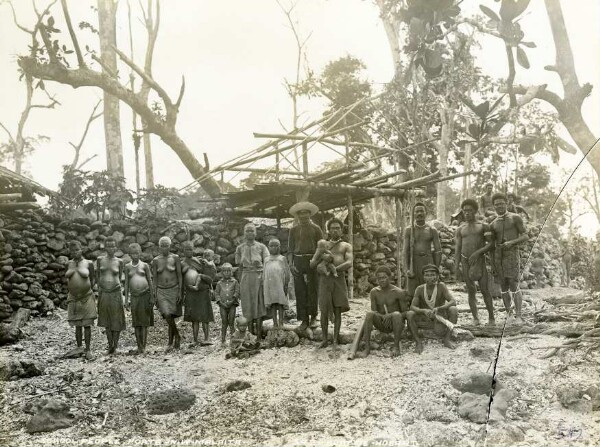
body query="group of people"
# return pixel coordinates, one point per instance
(427, 302)
(314, 271)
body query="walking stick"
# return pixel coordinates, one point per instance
(356, 341)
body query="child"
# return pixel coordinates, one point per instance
(197, 278)
(227, 295)
(276, 280)
(243, 343)
(139, 296)
(325, 266)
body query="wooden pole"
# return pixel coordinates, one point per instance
(305, 159)
(277, 180)
(399, 236)
(10, 196)
(466, 179)
(350, 223)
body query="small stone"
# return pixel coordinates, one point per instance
(478, 383)
(170, 401)
(237, 385)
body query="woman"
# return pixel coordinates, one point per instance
(250, 256)
(197, 277)
(81, 307)
(168, 288)
(111, 314)
(139, 296)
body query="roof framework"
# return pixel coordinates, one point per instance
(287, 158)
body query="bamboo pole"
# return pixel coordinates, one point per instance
(10, 196)
(265, 171)
(339, 188)
(368, 181)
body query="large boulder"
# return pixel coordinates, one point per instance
(48, 415)
(475, 406)
(473, 382)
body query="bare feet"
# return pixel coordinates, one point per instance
(169, 348)
(419, 347)
(334, 345)
(447, 343)
(88, 355)
(303, 326)
(518, 320)
(324, 344)
(491, 322)
(395, 352)
(476, 321)
(313, 322)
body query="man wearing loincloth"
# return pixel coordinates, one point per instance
(471, 244)
(421, 247)
(508, 231)
(333, 290)
(168, 285)
(389, 306)
(432, 300)
(302, 244)
(485, 201)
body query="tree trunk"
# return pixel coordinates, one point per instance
(112, 121)
(569, 108)
(447, 116)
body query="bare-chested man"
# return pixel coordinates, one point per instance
(508, 231)
(487, 206)
(389, 305)
(432, 300)
(333, 290)
(471, 244)
(110, 277)
(421, 247)
(168, 285)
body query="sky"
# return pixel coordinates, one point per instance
(235, 56)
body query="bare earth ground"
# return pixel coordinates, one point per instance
(378, 401)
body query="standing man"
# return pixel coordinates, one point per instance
(508, 231)
(333, 290)
(487, 206)
(471, 244)
(302, 245)
(421, 247)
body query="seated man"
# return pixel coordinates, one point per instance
(389, 305)
(432, 306)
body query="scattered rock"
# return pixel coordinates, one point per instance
(328, 388)
(13, 369)
(281, 338)
(459, 334)
(170, 401)
(475, 406)
(578, 400)
(478, 383)
(435, 411)
(506, 434)
(237, 385)
(48, 415)
(356, 412)
(485, 353)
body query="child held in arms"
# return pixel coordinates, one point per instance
(197, 277)
(227, 294)
(276, 282)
